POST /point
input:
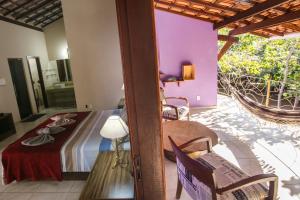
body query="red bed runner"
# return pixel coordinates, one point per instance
(40, 162)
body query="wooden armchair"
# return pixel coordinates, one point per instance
(174, 112)
(211, 177)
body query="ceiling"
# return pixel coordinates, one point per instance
(260, 17)
(35, 14)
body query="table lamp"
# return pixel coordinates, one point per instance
(115, 128)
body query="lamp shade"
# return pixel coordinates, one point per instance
(114, 128)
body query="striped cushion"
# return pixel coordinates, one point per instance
(170, 113)
(226, 174)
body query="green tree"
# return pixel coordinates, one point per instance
(267, 58)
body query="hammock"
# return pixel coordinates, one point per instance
(269, 114)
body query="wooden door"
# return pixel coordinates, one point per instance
(20, 86)
(140, 72)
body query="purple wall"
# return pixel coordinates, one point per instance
(179, 40)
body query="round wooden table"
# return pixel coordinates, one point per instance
(184, 131)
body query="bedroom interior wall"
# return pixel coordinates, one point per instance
(185, 40)
(93, 39)
(18, 42)
(56, 40)
(57, 47)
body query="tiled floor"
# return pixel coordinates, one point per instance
(252, 144)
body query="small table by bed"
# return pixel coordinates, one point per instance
(107, 183)
(115, 129)
(183, 131)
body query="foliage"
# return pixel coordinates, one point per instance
(264, 57)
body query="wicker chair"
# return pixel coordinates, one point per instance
(211, 177)
(174, 112)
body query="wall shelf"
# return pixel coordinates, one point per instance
(172, 81)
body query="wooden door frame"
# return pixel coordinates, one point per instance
(15, 86)
(141, 80)
(42, 83)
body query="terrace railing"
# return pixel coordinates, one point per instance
(267, 93)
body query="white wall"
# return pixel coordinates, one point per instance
(18, 42)
(57, 48)
(92, 34)
(56, 40)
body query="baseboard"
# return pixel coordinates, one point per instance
(204, 107)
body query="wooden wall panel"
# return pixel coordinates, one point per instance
(140, 69)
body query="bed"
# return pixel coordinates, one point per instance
(73, 155)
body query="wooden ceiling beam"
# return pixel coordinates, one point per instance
(46, 24)
(34, 9)
(199, 12)
(292, 16)
(273, 32)
(18, 7)
(227, 38)
(3, 2)
(186, 15)
(256, 9)
(47, 10)
(4, 8)
(204, 19)
(9, 20)
(292, 27)
(214, 6)
(58, 12)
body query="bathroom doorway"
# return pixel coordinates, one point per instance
(37, 81)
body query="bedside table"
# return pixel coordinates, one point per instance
(7, 126)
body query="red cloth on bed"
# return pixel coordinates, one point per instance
(40, 162)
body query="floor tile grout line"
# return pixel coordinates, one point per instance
(278, 159)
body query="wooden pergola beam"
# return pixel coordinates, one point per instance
(292, 16)
(227, 38)
(273, 32)
(257, 9)
(47, 10)
(186, 15)
(39, 6)
(225, 48)
(199, 12)
(214, 6)
(292, 26)
(17, 8)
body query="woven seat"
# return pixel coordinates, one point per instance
(225, 173)
(172, 111)
(211, 177)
